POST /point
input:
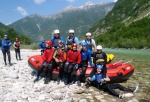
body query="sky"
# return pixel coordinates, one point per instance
(13, 10)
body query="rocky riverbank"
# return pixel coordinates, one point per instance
(16, 85)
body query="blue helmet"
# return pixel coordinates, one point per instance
(84, 44)
(5, 35)
(99, 66)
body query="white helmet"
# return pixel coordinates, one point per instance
(99, 47)
(88, 34)
(56, 31)
(71, 31)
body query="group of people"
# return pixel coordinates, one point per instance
(6, 44)
(69, 57)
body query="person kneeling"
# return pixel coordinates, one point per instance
(101, 83)
(47, 63)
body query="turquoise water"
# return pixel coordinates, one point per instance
(128, 51)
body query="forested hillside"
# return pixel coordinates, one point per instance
(126, 26)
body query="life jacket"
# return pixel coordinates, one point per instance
(7, 41)
(70, 41)
(48, 54)
(98, 77)
(55, 41)
(99, 56)
(73, 56)
(43, 45)
(89, 45)
(84, 56)
(60, 54)
(17, 44)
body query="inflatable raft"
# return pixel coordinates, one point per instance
(117, 72)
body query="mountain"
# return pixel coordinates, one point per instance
(2, 26)
(127, 25)
(78, 18)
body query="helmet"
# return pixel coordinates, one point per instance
(84, 44)
(71, 31)
(16, 38)
(99, 67)
(56, 31)
(60, 41)
(74, 45)
(5, 35)
(49, 42)
(88, 34)
(99, 47)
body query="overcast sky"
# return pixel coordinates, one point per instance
(13, 10)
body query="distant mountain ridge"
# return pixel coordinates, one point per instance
(3, 26)
(80, 19)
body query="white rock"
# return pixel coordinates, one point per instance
(56, 96)
(41, 97)
(83, 100)
(128, 95)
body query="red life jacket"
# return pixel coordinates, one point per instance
(74, 56)
(17, 44)
(60, 54)
(48, 54)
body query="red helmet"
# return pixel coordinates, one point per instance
(49, 42)
(16, 38)
(74, 45)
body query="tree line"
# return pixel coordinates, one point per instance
(12, 34)
(136, 35)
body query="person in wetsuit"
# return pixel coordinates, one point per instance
(56, 38)
(101, 83)
(100, 55)
(60, 58)
(42, 45)
(47, 63)
(85, 57)
(90, 42)
(17, 48)
(6, 44)
(73, 60)
(71, 39)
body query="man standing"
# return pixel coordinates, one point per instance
(56, 38)
(90, 42)
(6, 43)
(71, 39)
